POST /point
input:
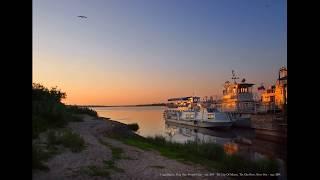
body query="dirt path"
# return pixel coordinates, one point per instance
(138, 164)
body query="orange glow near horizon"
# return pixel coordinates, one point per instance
(124, 55)
(87, 84)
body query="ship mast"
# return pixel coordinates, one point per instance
(234, 76)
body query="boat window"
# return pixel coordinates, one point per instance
(189, 116)
(210, 110)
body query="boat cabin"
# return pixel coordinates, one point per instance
(237, 97)
(183, 102)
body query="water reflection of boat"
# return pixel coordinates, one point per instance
(234, 140)
(240, 141)
(183, 133)
(231, 148)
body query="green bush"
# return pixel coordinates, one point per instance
(81, 110)
(41, 93)
(47, 109)
(38, 158)
(49, 112)
(72, 140)
(66, 138)
(39, 124)
(52, 138)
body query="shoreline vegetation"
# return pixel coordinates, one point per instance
(49, 119)
(52, 136)
(210, 155)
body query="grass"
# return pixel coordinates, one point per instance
(133, 126)
(73, 141)
(96, 171)
(49, 114)
(38, 156)
(103, 171)
(116, 151)
(108, 165)
(41, 155)
(208, 154)
(54, 116)
(66, 138)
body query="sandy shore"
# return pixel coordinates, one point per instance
(139, 164)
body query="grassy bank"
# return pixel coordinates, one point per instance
(54, 142)
(65, 138)
(210, 155)
(50, 116)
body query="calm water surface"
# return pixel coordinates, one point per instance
(151, 123)
(150, 119)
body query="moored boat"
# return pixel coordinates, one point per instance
(189, 111)
(238, 102)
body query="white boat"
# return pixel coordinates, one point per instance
(189, 111)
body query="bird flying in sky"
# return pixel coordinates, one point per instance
(82, 17)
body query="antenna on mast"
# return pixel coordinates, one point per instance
(234, 76)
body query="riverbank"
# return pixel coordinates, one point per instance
(72, 142)
(105, 157)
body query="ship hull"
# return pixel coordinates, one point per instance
(242, 122)
(204, 124)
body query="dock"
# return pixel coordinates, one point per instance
(271, 127)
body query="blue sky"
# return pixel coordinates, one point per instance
(183, 45)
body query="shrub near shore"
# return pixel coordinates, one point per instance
(50, 116)
(49, 112)
(81, 110)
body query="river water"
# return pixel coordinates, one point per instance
(151, 123)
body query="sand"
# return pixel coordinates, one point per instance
(139, 164)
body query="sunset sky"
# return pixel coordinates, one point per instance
(146, 51)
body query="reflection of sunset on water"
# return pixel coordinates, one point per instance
(144, 116)
(233, 141)
(230, 148)
(198, 79)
